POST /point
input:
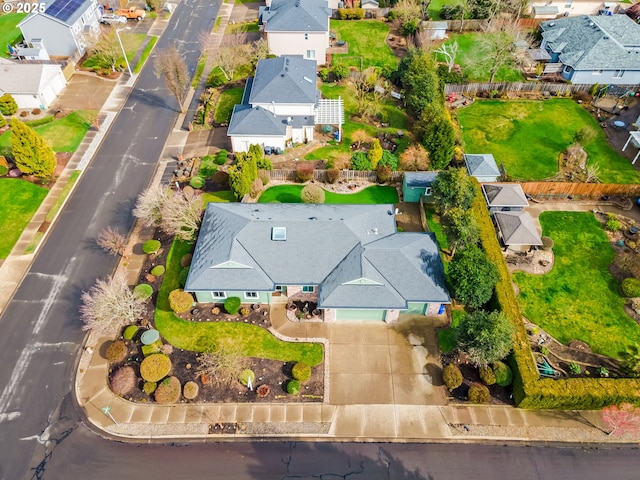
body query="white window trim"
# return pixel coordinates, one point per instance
(619, 74)
(597, 72)
(250, 295)
(427, 191)
(224, 294)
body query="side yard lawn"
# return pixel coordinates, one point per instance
(578, 299)
(370, 195)
(528, 137)
(228, 99)
(9, 32)
(367, 43)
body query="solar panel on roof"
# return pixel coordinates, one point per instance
(63, 9)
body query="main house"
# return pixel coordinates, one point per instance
(32, 85)
(65, 26)
(602, 49)
(349, 258)
(281, 105)
(297, 27)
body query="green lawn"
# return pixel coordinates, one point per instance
(145, 54)
(528, 136)
(447, 340)
(291, 194)
(19, 200)
(468, 54)
(9, 33)
(217, 78)
(251, 340)
(228, 99)
(435, 6)
(219, 197)
(578, 299)
(131, 42)
(366, 41)
(242, 27)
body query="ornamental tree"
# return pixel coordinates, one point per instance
(485, 337)
(472, 277)
(461, 228)
(621, 419)
(32, 154)
(453, 188)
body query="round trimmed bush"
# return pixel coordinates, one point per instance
(143, 291)
(157, 271)
(312, 193)
(182, 276)
(244, 311)
(479, 393)
(487, 376)
(301, 372)
(155, 367)
(196, 182)
(149, 387)
(245, 375)
(116, 351)
(221, 157)
(452, 376)
(232, 305)
(3, 170)
(123, 381)
(631, 287)
(168, 391)
(185, 261)
(130, 332)
(151, 246)
(504, 375)
(180, 301)
(190, 390)
(293, 387)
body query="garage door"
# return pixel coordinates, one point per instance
(360, 315)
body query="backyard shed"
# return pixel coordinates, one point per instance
(517, 229)
(482, 166)
(504, 197)
(416, 185)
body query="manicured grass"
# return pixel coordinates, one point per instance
(131, 42)
(64, 193)
(528, 136)
(19, 200)
(145, 54)
(228, 99)
(435, 6)
(218, 197)
(468, 54)
(291, 194)
(251, 340)
(216, 25)
(447, 340)
(366, 41)
(242, 27)
(199, 70)
(9, 33)
(64, 134)
(217, 78)
(433, 222)
(578, 299)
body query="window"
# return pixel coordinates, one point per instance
(311, 54)
(218, 294)
(567, 69)
(306, 36)
(597, 72)
(618, 74)
(250, 295)
(427, 191)
(308, 288)
(278, 288)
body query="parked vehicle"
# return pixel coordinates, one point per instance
(132, 12)
(111, 19)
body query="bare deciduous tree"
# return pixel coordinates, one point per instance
(497, 48)
(221, 366)
(112, 241)
(259, 51)
(181, 214)
(407, 10)
(149, 205)
(415, 158)
(621, 419)
(449, 52)
(233, 53)
(107, 49)
(170, 65)
(110, 305)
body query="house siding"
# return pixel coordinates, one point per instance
(295, 43)
(207, 297)
(413, 194)
(416, 308)
(630, 77)
(58, 38)
(241, 143)
(288, 109)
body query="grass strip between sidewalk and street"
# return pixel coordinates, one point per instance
(145, 54)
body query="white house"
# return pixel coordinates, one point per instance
(31, 85)
(65, 26)
(602, 49)
(297, 27)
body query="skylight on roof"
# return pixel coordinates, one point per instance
(279, 234)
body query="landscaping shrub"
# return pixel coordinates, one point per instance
(8, 105)
(208, 167)
(197, 182)
(157, 271)
(244, 311)
(116, 351)
(190, 390)
(613, 224)
(151, 246)
(3, 169)
(452, 376)
(324, 74)
(247, 375)
(24, 113)
(333, 174)
(547, 243)
(451, 11)
(143, 291)
(264, 177)
(182, 276)
(3, 121)
(263, 391)
(256, 188)
(304, 172)
(264, 163)
(575, 369)
(340, 71)
(350, 13)
(166, 348)
(180, 301)
(631, 287)
(383, 173)
(151, 349)
(149, 387)
(479, 393)
(168, 391)
(155, 367)
(221, 157)
(301, 372)
(123, 381)
(232, 305)
(389, 159)
(293, 387)
(36, 111)
(185, 260)
(130, 332)
(312, 193)
(360, 161)
(503, 374)
(487, 376)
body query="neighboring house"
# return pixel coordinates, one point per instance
(65, 26)
(516, 229)
(482, 166)
(281, 105)
(31, 85)
(297, 27)
(349, 259)
(369, 4)
(544, 11)
(602, 49)
(504, 197)
(416, 185)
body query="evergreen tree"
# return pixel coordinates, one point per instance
(32, 155)
(375, 154)
(8, 105)
(420, 81)
(438, 136)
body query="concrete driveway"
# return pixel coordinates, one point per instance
(85, 91)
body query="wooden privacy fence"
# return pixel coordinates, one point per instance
(281, 175)
(594, 190)
(472, 89)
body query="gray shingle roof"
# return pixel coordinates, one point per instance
(284, 80)
(504, 195)
(297, 16)
(351, 251)
(255, 121)
(481, 165)
(595, 42)
(22, 78)
(517, 228)
(419, 179)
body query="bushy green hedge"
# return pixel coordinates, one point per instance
(293, 387)
(143, 291)
(208, 166)
(155, 367)
(197, 182)
(350, 13)
(221, 157)
(130, 332)
(157, 271)
(116, 351)
(168, 391)
(503, 373)
(479, 393)
(631, 287)
(301, 372)
(180, 301)
(232, 305)
(452, 376)
(151, 246)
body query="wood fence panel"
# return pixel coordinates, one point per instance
(593, 190)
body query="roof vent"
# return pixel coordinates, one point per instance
(278, 234)
(307, 79)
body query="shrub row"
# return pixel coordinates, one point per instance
(350, 13)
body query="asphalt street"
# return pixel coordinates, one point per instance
(41, 330)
